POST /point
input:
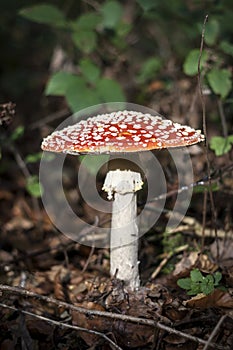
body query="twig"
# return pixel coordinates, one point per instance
(23, 167)
(62, 324)
(214, 215)
(115, 316)
(215, 176)
(204, 211)
(92, 248)
(58, 248)
(214, 332)
(203, 182)
(199, 78)
(50, 118)
(165, 260)
(223, 118)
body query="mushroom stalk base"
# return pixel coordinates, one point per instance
(124, 230)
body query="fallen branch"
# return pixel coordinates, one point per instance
(89, 312)
(214, 332)
(62, 324)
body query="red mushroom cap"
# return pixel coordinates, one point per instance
(122, 131)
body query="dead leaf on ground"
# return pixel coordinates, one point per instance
(191, 261)
(218, 298)
(225, 250)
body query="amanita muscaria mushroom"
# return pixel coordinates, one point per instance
(114, 133)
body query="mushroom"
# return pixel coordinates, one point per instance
(115, 133)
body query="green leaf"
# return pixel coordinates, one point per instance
(149, 69)
(17, 133)
(221, 145)
(147, 5)
(59, 83)
(89, 70)
(226, 47)
(80, 96)
(211, 32)
(217, 278)
(196, 276)
(112, 12)
(220, 81)
(195, 288)
(85, 40)
(209, 279)
(184, 283)
(33, 186)
(33, 158)
(123, 29)
(207, 286)
(93, 163)
(87, 21)
(109, 91)
(190, 65)
(44, 13)
(198, 283)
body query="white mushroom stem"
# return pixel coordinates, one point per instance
(124, 229)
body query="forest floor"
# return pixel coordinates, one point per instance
(57, 293)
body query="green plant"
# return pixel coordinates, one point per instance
(217, 75)
(214, 60)
(33, 186)
(8, 141)
(221, 145)
(86, 83)
(197, 283)
(149, 69)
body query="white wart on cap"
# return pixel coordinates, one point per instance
(122, 131)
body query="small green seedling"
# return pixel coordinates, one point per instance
(197, 283)
(33, 186)
(221, 145)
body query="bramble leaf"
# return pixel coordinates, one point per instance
(226, 47)
(60, 82)
(221, 145)
(89, 70)
(220, 81)
(110, 91)
(211, 32)
(190, 65)
(85, 40)
(44, 13)
(112, 13)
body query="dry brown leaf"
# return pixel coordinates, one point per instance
(191, 261)
(125, 333)
(6, 195)
(116, 299)
(155, 86)
(218, 298)
(17, 223)
(186, 264)
(225, 250)
(97, 323)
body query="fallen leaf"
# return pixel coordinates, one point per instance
(225, 250)
(218, 298)
(186, 264)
